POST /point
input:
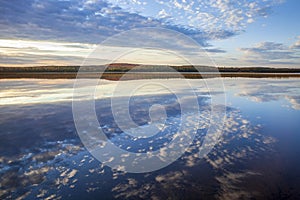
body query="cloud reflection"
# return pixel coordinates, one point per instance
(52, 163)
(262, 90)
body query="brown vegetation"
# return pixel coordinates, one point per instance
(116, 70)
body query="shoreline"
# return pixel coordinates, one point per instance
(142, 75)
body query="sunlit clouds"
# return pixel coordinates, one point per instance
(65, 32)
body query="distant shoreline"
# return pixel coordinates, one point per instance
(141, 75)
(126, 71)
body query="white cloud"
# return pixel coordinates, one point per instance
(271, 53)
(94, 21)
(296, 45)
(250, 20)
(163, 13)
(227, 14)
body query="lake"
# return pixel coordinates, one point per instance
(255, 157)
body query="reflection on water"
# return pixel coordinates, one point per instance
(41, 155)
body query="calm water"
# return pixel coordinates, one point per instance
(41, 155)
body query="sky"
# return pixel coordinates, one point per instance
(233, 33)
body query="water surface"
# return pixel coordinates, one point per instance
(257, 157)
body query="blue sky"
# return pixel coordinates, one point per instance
(235, 33)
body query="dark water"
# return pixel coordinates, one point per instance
(42, 157)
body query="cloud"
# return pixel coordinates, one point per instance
(215, 50)
(23, 59)
(211, 15)
(267, 91)
(163, 13)
(295, 101)
(296, 45)
(73, 21)
(272, 53)
(93, 21)
(27, 52)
